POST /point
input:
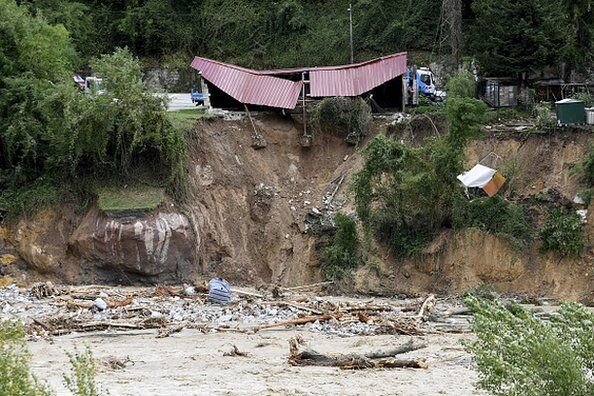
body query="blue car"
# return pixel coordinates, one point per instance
(197, 97)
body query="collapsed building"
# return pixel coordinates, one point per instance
(231, 86)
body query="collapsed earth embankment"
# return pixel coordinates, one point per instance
(262, 216)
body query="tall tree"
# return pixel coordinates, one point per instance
(581, 16)
(515, 37)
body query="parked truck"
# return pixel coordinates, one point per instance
(421, 82)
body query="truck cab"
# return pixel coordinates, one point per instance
(421, 81)
(425, 81)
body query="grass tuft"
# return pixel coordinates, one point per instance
(133, 198)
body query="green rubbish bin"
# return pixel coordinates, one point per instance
(570, 111)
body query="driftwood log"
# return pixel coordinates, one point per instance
(303, 320)
(300, 355)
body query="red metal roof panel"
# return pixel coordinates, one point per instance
(250, 87)
(267, 89)
(354, 80)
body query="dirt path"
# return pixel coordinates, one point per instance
(192, 363)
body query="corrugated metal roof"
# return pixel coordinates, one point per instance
(354, 80)
(268, 89)
(249, 87)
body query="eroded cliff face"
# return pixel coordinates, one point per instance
(458, 261)
(59, 244)
(252, 218)
(249, 206)
(153, 245)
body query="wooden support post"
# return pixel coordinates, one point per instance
(258, 141)
(305, 139)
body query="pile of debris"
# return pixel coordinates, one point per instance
(49, 310)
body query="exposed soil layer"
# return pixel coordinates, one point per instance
(249, 206)
(260, 216)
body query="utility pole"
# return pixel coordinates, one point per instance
(350, 10)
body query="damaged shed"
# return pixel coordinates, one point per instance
(231, 86)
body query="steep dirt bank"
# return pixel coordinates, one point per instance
(245, 219)
(544, 165)
(249, 206)
(253, 217)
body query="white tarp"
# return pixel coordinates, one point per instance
(478, 176)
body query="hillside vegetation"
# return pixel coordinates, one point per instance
(507, 37)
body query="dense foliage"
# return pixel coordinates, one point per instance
(51, 132)
(517, 353)
(261, 33)
(563, 233)
(344, 253)
(406, 194)
(494, 215)
(15, 374)
(508, 36)
(522, 35)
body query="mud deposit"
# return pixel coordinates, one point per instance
(157, 341)
(192, 363)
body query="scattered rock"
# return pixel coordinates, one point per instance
(100, 304)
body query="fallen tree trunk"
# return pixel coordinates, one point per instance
(303, 320)
(408, 347)
(353, 361)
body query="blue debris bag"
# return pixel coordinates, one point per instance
(219, 291)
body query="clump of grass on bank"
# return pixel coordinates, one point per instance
(494, 215)
(344, 253)
(186, 118)
(26, 200)
(133, 198)
(563, 233)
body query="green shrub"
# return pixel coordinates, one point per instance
(15, 374)
(349, 117)
(494, 215)
(462, 85)
(563, 233)
(17, 201)
(81, 381)
(344, 253)
(405, 194)
(586, 97)
(517, 353)
(545, 118)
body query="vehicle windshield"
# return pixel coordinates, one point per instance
(426, 79)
